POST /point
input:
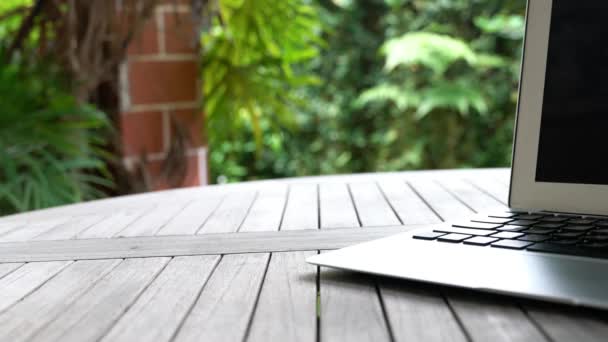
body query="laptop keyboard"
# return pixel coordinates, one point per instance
(538, 232)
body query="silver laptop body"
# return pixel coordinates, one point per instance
(559, 184)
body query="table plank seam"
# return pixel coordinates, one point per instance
(489, 193)
(535, 323)
(144, 213)
(284, 207)
(13, 270)
(354, 203)
(411, 186)
(389, 327)
(134, 300)
(459, 322)
(219, 204)
(389, 202)
(196, 299)
(458, 198)
(255, 198)
(257, 300)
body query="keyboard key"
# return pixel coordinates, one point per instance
(601, 231)
(534, 238)
(553, 219)
(479, 241)
(529, 217)
(596, 245)
(550, 225)
(602, 224)
(511, 244)
(494, 220)
(563, 242)
(568, 235)
(577, 228)
(507, 235)
(596, 238)
(466, 231)
(523, 222)
(508, 228)
(476, 225)
(581, 221)
(427, 235)
(502, 215)
(544, 231)
(570, 250)
(455, 238)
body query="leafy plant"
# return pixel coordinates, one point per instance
(50, 145)
(250, 69)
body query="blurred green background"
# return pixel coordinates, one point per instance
(290, 88)
(302, 87)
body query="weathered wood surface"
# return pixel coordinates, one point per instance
(226, 263)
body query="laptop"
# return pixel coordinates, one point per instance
(552, 244)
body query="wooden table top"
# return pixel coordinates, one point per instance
(226, 263)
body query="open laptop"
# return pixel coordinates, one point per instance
(553, 243)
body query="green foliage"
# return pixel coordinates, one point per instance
(249, 68)
(51, 146)
(403, 85)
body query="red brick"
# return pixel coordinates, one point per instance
(192, 120)
(146, 42)
(155, 82)
(180, 34)
(142, 133)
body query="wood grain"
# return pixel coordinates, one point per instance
(226, 304)
(289, 296)
(211, 244)
(112, 224)
(33, 229)
(96, 310)
(408, 205)
(158, 313)
(336, 207)
(25, 318)
(267, 210)
(151, 223)
(229, 216)
(372, 207)
(70, 229)
(192, 218)
(350, 308)
(18, 284)
(302, 210)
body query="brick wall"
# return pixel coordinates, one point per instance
(159, 97)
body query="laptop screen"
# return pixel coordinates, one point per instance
(574, 126)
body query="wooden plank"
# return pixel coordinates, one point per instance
(91, 315)
(350, 308)
(472, 196)
(336, 207)
(230, 243)
(564, 324)
(192, 218)
(267, 210)
(112, 225)
(230, 214)
(224, 309)
(9, 226)
(499, 191)
(302, 210)
(160, 310)
(288, 297)
(408, 205)
(444, 204)
(70, 229)
(33, 229)
(418, 312)
(150, 223)
(6, 269)
(372, 207)
(16, 285)
(492, 318)
(53, 298)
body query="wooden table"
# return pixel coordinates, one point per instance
(226, 263)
